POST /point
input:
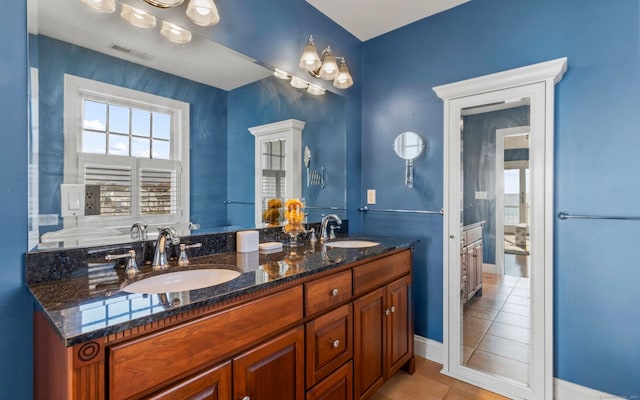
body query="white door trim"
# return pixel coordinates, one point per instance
(536, 81)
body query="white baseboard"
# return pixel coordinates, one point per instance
(562, 390)
(489, 268)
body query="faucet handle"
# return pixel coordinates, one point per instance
(183, 261)
(132, 267)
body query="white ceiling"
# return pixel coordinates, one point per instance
(366, 19)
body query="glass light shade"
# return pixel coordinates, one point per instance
(175, 33)
(329, 69)
(203, 12)
(316, 90)
(310, 60)
(299, 83)
(137, 17)
(278, 73)
(343, 80)
(105, 6)
(164, 3)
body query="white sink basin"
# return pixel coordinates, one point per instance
(181, 281)
(352, 244)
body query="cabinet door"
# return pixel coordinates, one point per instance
(274, 370)
(399, 332)
(369, 361)
(337, 386)
(477, 255)
(211, 384)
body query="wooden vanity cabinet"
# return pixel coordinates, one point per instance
(383, 326)
(338, 336)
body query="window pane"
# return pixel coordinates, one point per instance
(93, 142)
(161, 150)
(140, 122)
(118, 119)
(161, 126)
(140, 147)
(118, 145)
(95, 116)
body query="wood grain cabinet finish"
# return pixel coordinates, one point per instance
(337, 386)
(329, 343)
(273, 370)
(212, 384)
(337, 337)
(383, 336)
(325, 293)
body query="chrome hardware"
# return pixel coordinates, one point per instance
(138, 231)
(452, 236)
(335, 344)
(160, 255)
(334, 292)
(323, 226)
(387, 312)
(332, 235)
(183, 261)
(132, 268)
(246, 398)
(393, 309)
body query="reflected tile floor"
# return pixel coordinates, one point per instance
(496, 332)
(427, 383)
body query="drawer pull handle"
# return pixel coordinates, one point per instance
(335, 344)
(334, 292)
(393, 309)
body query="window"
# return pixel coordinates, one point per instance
(131, 148)
(278, 162)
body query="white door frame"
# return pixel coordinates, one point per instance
(538, 83)
(501, 134)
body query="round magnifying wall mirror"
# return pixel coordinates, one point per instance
(408, 146)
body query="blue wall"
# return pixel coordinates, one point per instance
(15, 301)
(271, 100)
(596, 275)
(207, 114)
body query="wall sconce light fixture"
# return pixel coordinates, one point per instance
(200, 12)
(325, 65)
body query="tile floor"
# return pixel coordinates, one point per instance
(427, 383)
(496, 332)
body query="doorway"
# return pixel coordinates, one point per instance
(470, 201)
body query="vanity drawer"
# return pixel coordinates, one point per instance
(329, 343)
(148, 362)
(322, 294)
(374, 274)
(473, 234)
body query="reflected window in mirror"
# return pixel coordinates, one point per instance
(131, 149)
(273, 169)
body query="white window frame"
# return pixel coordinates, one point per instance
(76, 90)
(291, 132)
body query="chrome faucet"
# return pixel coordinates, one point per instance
(138, 231)
(323, 226)
(160, 255)
(131, 268)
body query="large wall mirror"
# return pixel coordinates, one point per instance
(129, 84)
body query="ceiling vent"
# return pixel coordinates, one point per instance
(133, 53)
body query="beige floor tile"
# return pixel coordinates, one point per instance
(486, 302)
(477, 311)
(471, 337)
(516, 309)
(472, 392)
(505, 348)
(513, 319)
(380, 396)
(478, 324)
(431, 370)
(496, 294)
(403, 386)
(499, 366)
(510, 332)
(521, 292)
(513, 299)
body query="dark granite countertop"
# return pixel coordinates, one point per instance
(92, 305)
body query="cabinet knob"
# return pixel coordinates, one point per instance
(334, 292)
(452, 236)
(387, 312)
(335, 344)
(393, 308)
(246, 398)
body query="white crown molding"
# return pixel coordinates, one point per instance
(277, 127)
(553, 69)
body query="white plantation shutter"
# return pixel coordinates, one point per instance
(115, 186)
(158, 187)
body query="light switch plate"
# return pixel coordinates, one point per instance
(481, 195)
(71, 200)
(371, 196)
